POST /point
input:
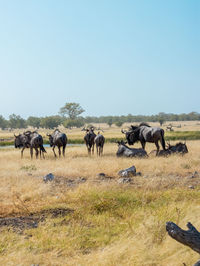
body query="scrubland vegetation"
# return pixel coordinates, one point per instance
(104, 223)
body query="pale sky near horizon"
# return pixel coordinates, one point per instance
(113, 57)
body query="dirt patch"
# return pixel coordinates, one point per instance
(69, 182)
(19, 224)
(53, 213)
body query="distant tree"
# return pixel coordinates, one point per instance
(72, 110)
(119, 123)
(16, 121)
(51, 121)
(3, 122)
(110, 122)
(34, 121)
(68, 123)
(161, 120)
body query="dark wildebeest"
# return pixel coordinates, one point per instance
(36, 141)
(58, 139)
(31, 140)
(21, 141)
(89, 140)
(125, 151)
(144, 133)
(178, 148)
(99, 141)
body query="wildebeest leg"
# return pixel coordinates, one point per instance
(158, 147)
(59, 152)
(36, 153)
(22, 152)
(42, 154)
(143, 145)
(31, 152)
(64, 150)
(89, 150)
(92, 148)
(54, 151)
(97, 148)
(102, 150)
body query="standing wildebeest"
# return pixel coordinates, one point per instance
(89, 139)
(31, 140)
(58, 139)
(125, 151)
(21, 141)
(99, 141)
(144, 133)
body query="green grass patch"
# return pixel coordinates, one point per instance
(176, 135)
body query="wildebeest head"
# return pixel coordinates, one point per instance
(20, 141)
(131, 136)
(121, 148)
(179, 148)
(50, 139)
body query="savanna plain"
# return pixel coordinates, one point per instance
(80, 218)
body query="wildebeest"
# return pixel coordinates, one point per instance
(179, 148)
(21, 141)
(89, 140)
(58, 139)
(124, 150)
(31, 140)
(144, 133)
(99, 141)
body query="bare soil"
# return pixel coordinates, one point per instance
(19, 224)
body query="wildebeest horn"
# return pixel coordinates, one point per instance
(124, 132)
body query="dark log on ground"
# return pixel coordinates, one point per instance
(190, 238)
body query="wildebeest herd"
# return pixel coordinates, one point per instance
(142, 133)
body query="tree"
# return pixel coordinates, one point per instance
(110, 122)
(16, 121)
(3, 122)
(72, 110)
(161, 120)
(51, 121)
(69, 123)
(34, 121)
(119, 123)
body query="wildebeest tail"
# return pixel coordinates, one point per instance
(162, 139)
(42, 148)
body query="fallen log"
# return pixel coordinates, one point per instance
(190, 238)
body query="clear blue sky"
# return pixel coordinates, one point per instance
(113, 57)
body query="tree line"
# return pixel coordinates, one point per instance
(69, 116)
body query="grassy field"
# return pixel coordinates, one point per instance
(189, 130)
(84, 220)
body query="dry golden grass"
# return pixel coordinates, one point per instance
(112, 224)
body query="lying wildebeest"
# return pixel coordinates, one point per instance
(31, 140)
(58, 139)
(179, 148)
(89, 140)
(99, 141)
(124, 150)
(144, 133)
